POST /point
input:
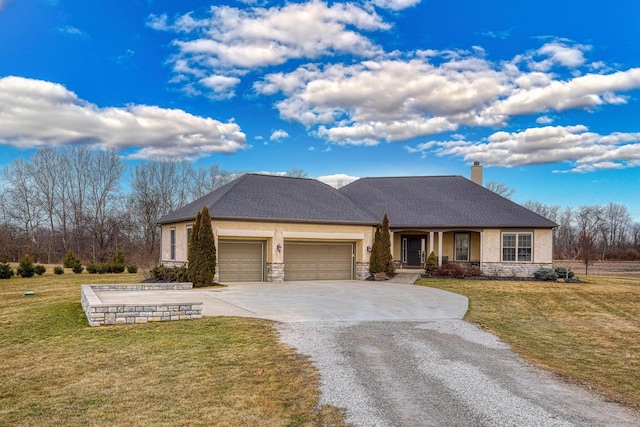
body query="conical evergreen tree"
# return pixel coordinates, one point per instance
(202, 251)
(376, 264)
(386, 256)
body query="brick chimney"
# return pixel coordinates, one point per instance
(476, 173)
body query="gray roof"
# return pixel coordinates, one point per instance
(439, 201)
(266, 197)
(409, 202)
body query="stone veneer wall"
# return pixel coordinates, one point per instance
(501, 269)
(113, 314)
(275, 272)
(362, 270)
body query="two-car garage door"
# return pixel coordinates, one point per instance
(243, 261)
(318, 261)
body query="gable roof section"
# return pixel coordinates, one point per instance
(277, 198)
(439, 201)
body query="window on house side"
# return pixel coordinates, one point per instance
(172, 236)
(188, 237)
(517, 247)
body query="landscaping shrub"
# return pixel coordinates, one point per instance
(58, 270)
(170, 274)
(546, 275)
(117, 264)
(6, 272)
(458, 271)
(70, 260)
(78, 268)
(25, 267)
(92, 268)
(564, 273)
(432, 263)
(132, 269)
(39, 269)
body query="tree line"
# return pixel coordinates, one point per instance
(93, 203)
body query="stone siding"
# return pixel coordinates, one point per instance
(503, 269)
(275, 272)
(362, 270)
(112, 314)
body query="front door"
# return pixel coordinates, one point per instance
(414, 251)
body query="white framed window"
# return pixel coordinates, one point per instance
(462, 244)
(189, 229)
(517, 247)
(172, 243)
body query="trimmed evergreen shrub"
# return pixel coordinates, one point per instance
(202, 251)
(58, 270)
(39, 269)
(6, 272)
(546, 275)
(70, 260)
(117, 264)
(432, 263)
(564, 273)
(25, 267)
(92, 268)
(132, 269)
(78, 269)
(170, 274)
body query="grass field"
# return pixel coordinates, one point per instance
(589, 333)
(56, 370)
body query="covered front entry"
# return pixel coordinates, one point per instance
(241, 261)
(413, 250)
(318, 261)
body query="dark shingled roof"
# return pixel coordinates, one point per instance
(410, 202)
(265, 197)
(439, 201)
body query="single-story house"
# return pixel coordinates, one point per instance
(274, 228)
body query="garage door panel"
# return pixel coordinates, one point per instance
(241, 261)
(318, 261)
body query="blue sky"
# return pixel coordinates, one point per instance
(545, 94)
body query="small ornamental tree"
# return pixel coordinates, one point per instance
(26, 267)
(70, 260)
(376, 263)
(431, 264)
(385, 238)
(201, 255)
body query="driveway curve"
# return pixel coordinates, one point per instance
(398, 355)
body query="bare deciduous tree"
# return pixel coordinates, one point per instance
(500, 189)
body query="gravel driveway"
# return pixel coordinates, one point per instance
(439, 373)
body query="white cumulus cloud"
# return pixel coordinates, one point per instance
(230, 41)
(36, 113)
(278, 134)
(431, 92)
(575, 145)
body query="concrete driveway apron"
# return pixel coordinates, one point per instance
(312, 301)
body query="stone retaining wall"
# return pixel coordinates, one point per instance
(129, 313)
(504, 269)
